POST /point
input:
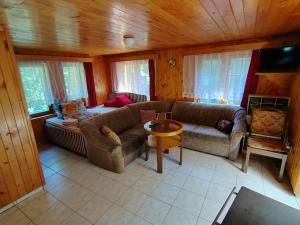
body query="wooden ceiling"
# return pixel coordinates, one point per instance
(97, 27)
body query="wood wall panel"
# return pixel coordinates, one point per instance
(20, 169)
(168, 80)
(101, 78)
(38, 126)
(280, 83)
(294, 157)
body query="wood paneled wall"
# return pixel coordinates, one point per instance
(102, 79)
(169, 79)
(20, 169)
(294, 124)
(279, 82)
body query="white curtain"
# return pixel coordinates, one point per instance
(57, 80)
(131, 76)
(36, 86)
(75, 80)
(216, 78)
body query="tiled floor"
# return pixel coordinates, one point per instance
(77, 192)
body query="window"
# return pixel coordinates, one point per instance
(216, 78)
(37, 88)
(43, 82)
(131, 76)
(75, 81)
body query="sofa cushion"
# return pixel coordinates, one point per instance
(133, 137)
(123, 100)
(203, 114)
(147, 115)
(118, 120)
(206, 139)
(106, 131)
(158, 106)
(205, 132)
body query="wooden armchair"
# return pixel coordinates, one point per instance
(267, 137)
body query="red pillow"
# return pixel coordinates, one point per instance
(124, 100)
(147, 115)
(112, 103)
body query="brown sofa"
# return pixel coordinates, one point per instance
(199, 131)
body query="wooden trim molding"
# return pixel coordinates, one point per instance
(20, 57)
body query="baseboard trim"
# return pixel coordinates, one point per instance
(10, 205)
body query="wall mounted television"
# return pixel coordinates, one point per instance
(285, 59)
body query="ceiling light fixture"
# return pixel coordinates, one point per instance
(128, 40)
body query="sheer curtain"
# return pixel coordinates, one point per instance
(36, 86)
(57, 80)
(216, 78)
(75, 80)
(131, 76)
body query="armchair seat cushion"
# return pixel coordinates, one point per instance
(267, 144)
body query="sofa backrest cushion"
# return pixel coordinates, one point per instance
(203, 114)
(158, 106)
(118, 120)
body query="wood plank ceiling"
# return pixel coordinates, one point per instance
(97, 27)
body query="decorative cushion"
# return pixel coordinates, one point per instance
(112, 103)
(106, 131)
(123, 100)
(267, 122)
(224, 126)
(147, 115)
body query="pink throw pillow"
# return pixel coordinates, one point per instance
(112, 103)
(147, 115)
(124, 100)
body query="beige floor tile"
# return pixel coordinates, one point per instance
(94, 208)
(47, 171)
(178, 217)
(154, 211)
(55, 181)
(210, 210)
(127, 178)
(75, 219)
(175, 178)
(54, 216)
(63, 164)
(34, 207)
(166, 193)
(74, 197)
(13, 216)
(99, 183)
(132, 200)
(113, 190)
(189, 202)
(145, 185)
(218, 193)
(202, 173)
(203, 222)
(196, 185)
(138, 221)
(116, 216)
(225, 179)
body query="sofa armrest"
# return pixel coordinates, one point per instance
(101, 150)
(238, 132)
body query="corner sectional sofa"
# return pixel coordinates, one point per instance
(199, 122)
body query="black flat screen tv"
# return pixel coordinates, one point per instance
(284, 59)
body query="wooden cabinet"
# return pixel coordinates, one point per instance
(20, 169)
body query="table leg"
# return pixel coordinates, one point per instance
(146, 152)
(159, 155)
(282, 167)
(181, 137)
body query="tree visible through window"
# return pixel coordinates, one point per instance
(131, 76)
(216, 78)
(36, 84)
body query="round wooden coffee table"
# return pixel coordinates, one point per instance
(163, 135)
